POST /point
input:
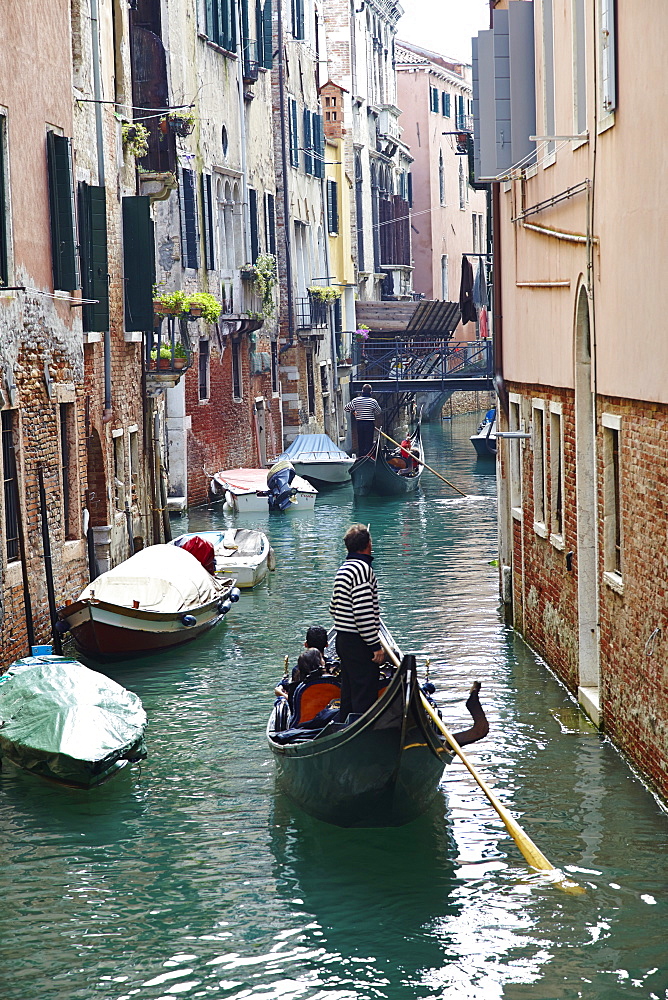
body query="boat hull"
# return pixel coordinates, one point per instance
(373, 476)
(324, 475)
(110, 632)
(253, 503)
(484, 442)
(382, 770)
(247, 570)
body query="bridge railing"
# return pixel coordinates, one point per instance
(431, 360)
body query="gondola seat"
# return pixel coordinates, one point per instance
(311, 696)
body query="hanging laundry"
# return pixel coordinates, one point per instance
(480, 286)
(466, 305)
(483, 328)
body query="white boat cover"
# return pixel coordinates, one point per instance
(162, 578)
(255, 481)
(315, 447)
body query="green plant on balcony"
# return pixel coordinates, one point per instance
(265, 281)
(181, 121)
(135, 138)
(170, 304)
(205, 305)
(324, 293)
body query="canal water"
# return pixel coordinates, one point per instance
(194, 877)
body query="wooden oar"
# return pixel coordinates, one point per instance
(422, 462)
(529, 850)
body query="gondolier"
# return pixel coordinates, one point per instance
(366, 411)
(354, 607)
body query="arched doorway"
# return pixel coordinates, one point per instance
(585, 469)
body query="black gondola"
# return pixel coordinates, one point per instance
(373, 473)
(381, 769)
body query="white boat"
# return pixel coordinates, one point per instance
(246, 491)
(484, 440)
(241, 553)
(317, 459)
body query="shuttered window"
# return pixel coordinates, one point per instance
(253, 219)
(209, 231)
(266, 55)
(11, 486)
(608, 62)
(318, 143)
(138, 262)
(270, 223)
(61, 203)
(294, 133)
(445, 104)
(298, 19)
(189, 227)
(221, 18)
(332, 207)
(4, 212)
(93, 255)
(308, 142)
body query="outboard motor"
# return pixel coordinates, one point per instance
(279, 478)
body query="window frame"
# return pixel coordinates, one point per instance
(557, 480)
(613, 535)
(538, 444)
(120, 486)
(11, 497)
(5, 205)
(237, 372)
(67, 426)
(204, 370)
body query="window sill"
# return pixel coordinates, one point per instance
(218, 48)
(614, 581)
(73, 549)
(13, 574)
(558, 542)
(606, 122)
(540, 529)
(549, 160)
(93, 338)
(516, 513)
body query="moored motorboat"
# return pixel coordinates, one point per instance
(317, 459)
(241, 553)
(257, 490)
(158, 598)
(62, 721)
(389, 472)
(382, 768)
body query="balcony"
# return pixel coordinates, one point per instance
(312, 314)
(167, 354)
(251, 63)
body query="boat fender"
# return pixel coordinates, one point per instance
(234, 595)
(229, 501)
(224, 606)
(429, 688)
(188, 620)
(271, 560)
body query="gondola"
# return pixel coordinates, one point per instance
(383, 768)
(374, 473)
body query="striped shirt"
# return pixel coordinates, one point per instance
(364, 407)
(354, 603)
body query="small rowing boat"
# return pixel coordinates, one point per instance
(241, 553)
(382, 768)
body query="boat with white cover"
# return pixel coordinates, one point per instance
(246, 491)
(317, 459)
(242, 553)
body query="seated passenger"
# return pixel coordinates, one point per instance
(310, 663)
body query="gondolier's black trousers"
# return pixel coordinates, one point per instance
(365, 429)
(359, 674)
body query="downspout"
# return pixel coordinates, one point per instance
(286, 187)
(99, 134)
(497, 302)
(242, 127)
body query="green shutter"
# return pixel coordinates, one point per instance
(4, 256)
(308, 142)
(266, 56)
(209, 20)
(270, 223)
(189, 227)
(138, 263)
(61, 202)
(294, 133)
(207, 214)
(318, 142)
(332, 207)
(254, 234)
(93, 253)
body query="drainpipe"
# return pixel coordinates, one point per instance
(97, 93)
(242, 129)
(286, 186)
(497, 301)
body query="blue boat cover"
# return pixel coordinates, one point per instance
(313, 445)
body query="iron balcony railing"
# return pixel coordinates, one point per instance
(424, 360)
(312, 314)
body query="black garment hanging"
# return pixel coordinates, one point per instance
(466, 305)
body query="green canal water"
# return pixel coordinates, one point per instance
(194, 877)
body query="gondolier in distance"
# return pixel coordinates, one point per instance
(367, 411)
(354, 607)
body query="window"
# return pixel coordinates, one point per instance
(608, 56)
(93, 255)
(445, 283)
(310, 384)
(253, 219)
(119, 469)
(461, 116)
(263, 28)
(68, 464)
(359, 209)
(514, 424)
(274, 366)
(221, 23)
(298, 19)
(462, 185)
(270, 223)
(556, 476)
(433, 99)
(308, 142)
(579, 67)
(539, 467)
(209, 232)
(203, 370)
(474, 224)
(294, 132)
(11, 486)
(324, 379)
(189, 226)
(4, 208)
(332, 208)
(612, 494)
(445, 104)
(318, 144)
(236, 369)
(61, 205)
(441, 179)
(548, 74)
(138, 262)
(134, 462)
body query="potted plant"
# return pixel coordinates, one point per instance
(170, 304)
(135, 138)
(324, 293)
(181, 122)
(205, 305)
(248, 272)
(180, 356)
(265, 279)
(161, 358)
(362, 334)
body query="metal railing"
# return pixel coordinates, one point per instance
(423, 360)
(312, 314)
